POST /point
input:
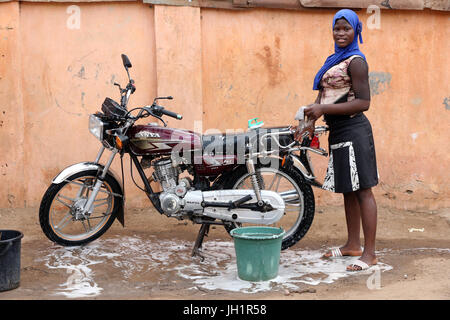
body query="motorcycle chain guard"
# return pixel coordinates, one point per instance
(195, 200)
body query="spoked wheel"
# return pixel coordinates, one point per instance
(60, 213)
(296, 193)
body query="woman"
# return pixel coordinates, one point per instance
(344, 95)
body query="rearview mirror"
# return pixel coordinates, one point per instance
(126, 61)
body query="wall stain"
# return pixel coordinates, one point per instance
(63, 109)
(446, 103)
(4, 169)
(271, 59)
(416, 101)
(386, 4)
(82, 73)
(83, 94)
(379, 82)
(11, 199)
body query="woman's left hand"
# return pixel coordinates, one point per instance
(313, 111)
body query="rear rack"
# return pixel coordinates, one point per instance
(274, 136)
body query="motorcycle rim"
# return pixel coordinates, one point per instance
(61, 219)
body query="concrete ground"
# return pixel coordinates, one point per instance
(151, 259)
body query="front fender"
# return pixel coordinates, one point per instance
(83, 166)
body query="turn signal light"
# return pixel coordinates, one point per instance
(119, 144)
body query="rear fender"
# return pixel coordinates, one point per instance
(309, 176)
(302, 169)
(83, 166)
(296, 163)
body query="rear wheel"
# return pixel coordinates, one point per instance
(297, 194)
(60, 211)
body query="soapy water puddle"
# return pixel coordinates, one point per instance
(218, 271)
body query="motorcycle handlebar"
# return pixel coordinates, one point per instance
(160, 109)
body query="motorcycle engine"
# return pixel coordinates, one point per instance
(180, 199)
(166, 174)
(173, 189)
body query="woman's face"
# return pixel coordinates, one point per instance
(343, 33)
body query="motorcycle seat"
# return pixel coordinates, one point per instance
(230, 143)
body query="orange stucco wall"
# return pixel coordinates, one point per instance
(222, 67)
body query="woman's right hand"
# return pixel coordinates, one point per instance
(298, 133)
(310, 128)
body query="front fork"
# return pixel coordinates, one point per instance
(89, 205)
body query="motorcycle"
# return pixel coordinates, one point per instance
(266, 178)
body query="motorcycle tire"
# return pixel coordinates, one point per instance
(306, 195)
(71, 230)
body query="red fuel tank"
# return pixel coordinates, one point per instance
(153, 139)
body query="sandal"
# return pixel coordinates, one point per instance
(337, 253)
(360, 264)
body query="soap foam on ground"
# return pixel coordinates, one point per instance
(134, 255)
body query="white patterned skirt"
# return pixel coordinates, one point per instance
(352, 164)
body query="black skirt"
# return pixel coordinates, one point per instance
(352, 164)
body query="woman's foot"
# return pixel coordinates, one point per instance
(363, 263)
(344, 251)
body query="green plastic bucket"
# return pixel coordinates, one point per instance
(257, 252)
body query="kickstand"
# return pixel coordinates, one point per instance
(204, 229)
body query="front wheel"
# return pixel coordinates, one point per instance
(60, 213)
(297, 194)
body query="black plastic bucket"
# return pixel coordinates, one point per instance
(10, 259)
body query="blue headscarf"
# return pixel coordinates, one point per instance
(341, 54)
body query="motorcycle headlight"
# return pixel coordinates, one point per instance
(96, 127)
